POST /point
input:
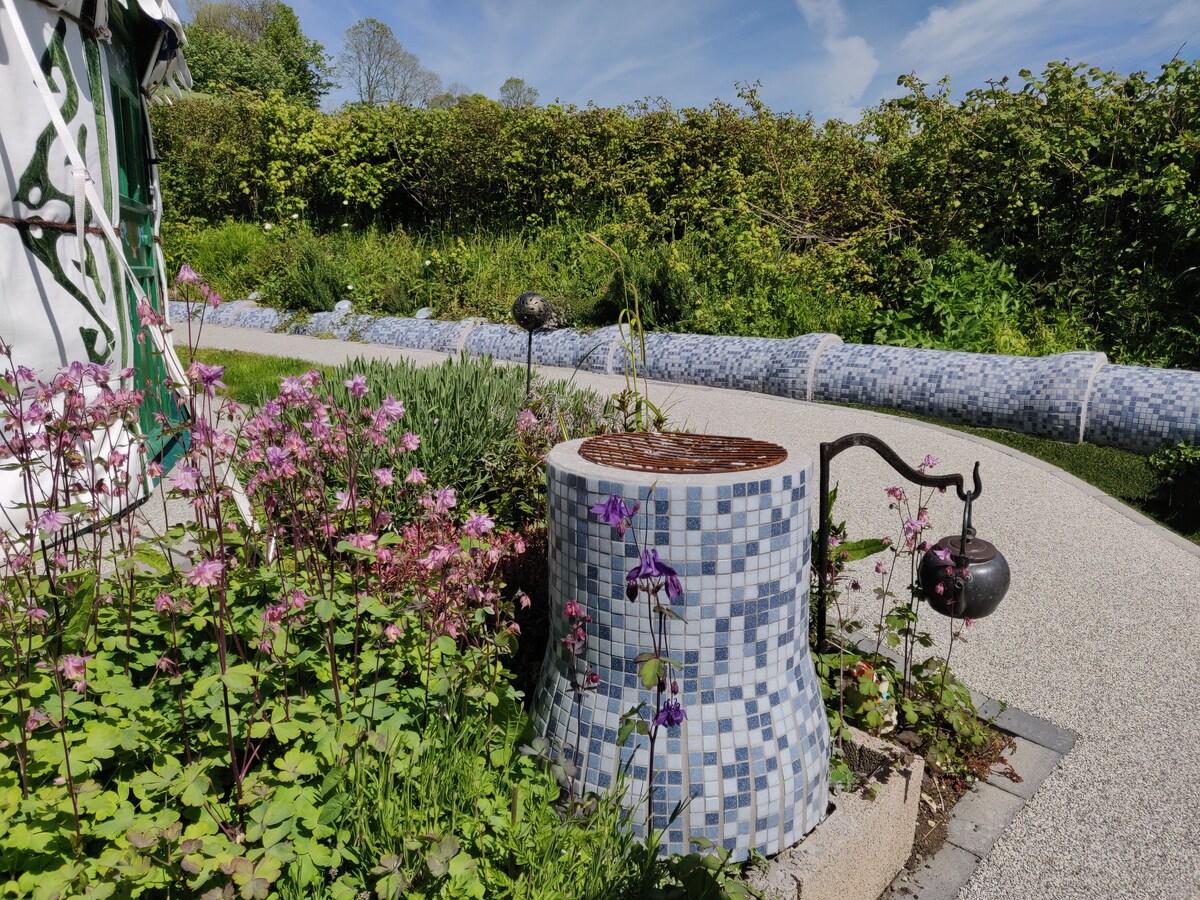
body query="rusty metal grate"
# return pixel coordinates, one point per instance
(671, 452)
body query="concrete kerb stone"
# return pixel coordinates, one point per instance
(857, 851)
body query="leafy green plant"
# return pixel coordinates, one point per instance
(887, 688)
(1177, 467)
(467, 412)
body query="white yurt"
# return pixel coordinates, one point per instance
(80, 209)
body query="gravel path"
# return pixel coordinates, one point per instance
(1097, 634)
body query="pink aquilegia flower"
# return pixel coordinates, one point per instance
(52, 521)
(36, 718)
(444, 499)
(415, 476)
(410, 442)
(185, 478)
(943, 553)
(392, 633)
(573, 609)
(879, 569)
(896, 493)
(164, 604)
(357, 385)
(362, 541)
(74, 668)
(478, 525)
(187, 275)
(211, 297)
(299, 599)
(928, 462)
(391, 408)
(383, 477)
(526, 420)
(206, 573)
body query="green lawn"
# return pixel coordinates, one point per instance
(250, 376)
(1119, 473)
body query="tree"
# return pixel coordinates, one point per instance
(516, 93)
(453, 95)
(257, 45)
(381, 70)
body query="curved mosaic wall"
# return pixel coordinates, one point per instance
(1069, 396)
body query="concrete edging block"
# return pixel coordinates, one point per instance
(863, 844)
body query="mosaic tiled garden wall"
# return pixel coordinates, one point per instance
(1068, 396)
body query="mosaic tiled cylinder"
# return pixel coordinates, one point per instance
(753, 753)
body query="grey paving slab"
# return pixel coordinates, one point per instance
(940, 878)
(981, 817)
(1032, 762)
(1097, 635)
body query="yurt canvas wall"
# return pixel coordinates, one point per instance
(79, 201)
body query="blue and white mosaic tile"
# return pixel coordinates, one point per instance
(752, 756)
(1141, 409)
(793, 365)
(726, 362)
(1043, 396)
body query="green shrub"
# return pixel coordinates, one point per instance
(1177, 467)
(966, 301)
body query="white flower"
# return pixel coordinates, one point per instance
(345, 203)
(428, 261)
(345, 224)
(349, 287)
(295, 216)
(266, 226)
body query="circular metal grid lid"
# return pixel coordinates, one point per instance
(671, 452)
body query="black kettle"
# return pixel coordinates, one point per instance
(963, 576)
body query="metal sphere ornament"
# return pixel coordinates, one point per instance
(531, 311)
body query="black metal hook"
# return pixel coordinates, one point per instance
(891, 457)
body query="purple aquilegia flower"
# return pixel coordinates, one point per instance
(671, 714)
(415, 476)
(943, 553)
(357, 385)
(410, 442)
(525, 420)
(206, 573)
(650, 567)
(614, 512)
(207, 376)
(928, 462)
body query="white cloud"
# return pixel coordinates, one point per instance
(850, 62)
(852, 68)
(949, 37)
(826, 15)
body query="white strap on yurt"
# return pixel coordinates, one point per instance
(87, 187)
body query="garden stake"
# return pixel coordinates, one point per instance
(531, 312)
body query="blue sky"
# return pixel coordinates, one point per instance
(830, 57)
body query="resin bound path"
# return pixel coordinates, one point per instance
(1098, 634)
